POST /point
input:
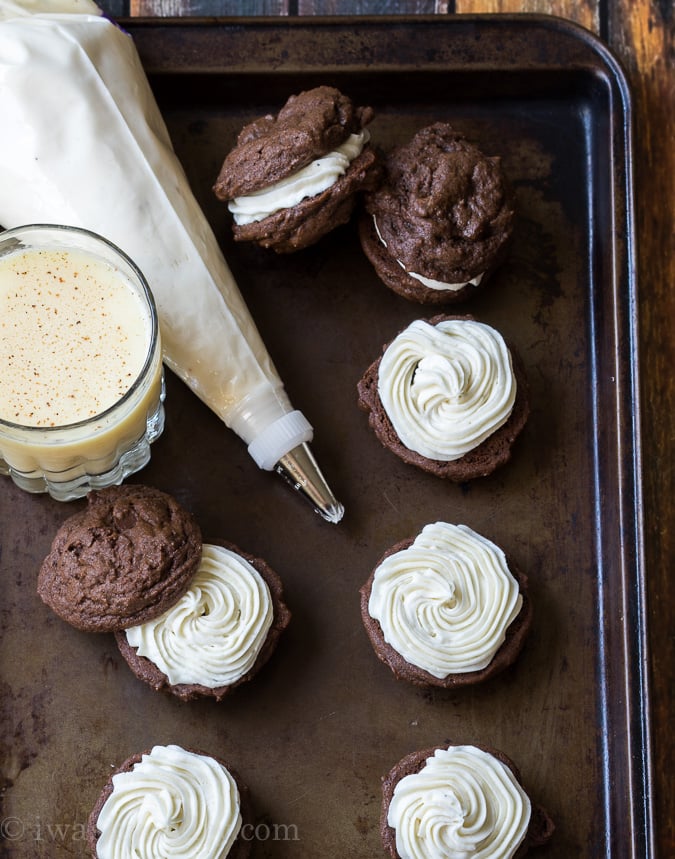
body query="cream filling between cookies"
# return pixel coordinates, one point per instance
(213, 634)
(172, 803)
(307, 182)
(463, 802)
(447, 387)
(446, 601)
(428, 281)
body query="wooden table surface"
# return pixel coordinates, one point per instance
(640, 33)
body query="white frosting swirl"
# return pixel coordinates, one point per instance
(429, 281)
(307, 182)
(463, 803)
(446, 387)
(213, 634)
(446, 601)
(173, 803)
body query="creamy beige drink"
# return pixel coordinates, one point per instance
(81, 386)
(73, 337)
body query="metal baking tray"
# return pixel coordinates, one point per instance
(324, 721)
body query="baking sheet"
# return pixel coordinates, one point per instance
(314, 733)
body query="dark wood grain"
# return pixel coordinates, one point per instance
(166, 8)
(371, 7)
(180, 8)
(584, 12)
(641, 33)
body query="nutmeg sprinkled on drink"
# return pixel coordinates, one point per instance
(73, 337)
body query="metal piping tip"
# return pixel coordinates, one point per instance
(299, 468)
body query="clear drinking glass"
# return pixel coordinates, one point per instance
(67, 460)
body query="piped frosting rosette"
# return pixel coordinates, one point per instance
(443, 603)
(218, 634)
(449, 396)
(462, 802)
(214, 633)
(169, 802)
(447, 387)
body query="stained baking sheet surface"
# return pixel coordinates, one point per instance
(325, 720)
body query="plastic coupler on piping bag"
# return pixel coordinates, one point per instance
(83, 144)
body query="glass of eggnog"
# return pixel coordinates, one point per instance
(81, 380)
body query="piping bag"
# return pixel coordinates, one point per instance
(83, 143)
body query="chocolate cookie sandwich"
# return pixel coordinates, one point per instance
(123, 560)
(293, 177)
(171, 801)
(459, 800)
(218, 635)
(441, 219)
(191, 618)
(446, 608)
(448, 396)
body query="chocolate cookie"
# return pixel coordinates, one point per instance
(441, 219)
(538, 829)
(184, 817)
(491, 453)
(199, 602)
(293, 177)
(123, 560)
(433, 605)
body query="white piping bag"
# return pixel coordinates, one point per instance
(83, 144)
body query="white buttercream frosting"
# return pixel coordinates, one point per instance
(445, 602)
(213, 634)
(430, 282)
(173, 803)
(463, 803)
(309, 181)
(446, 387)
(440, 284)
